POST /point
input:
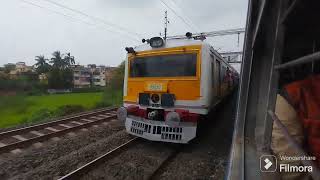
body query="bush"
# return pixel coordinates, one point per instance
(103, 104)
(86, 90)
(45, 114)
(22, 85)
(40, 115)
(110, 97)
(117, 77)
(69, 109)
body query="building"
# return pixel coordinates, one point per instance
(43, 77)
(109, 74)
(98, 76)
(81, 77)
(20, 68)
(92, 75)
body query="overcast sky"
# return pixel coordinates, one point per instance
(27, 30)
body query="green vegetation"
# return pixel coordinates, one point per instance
(114, 93)
(21, 109)
(60, 74)
(32, 104)
(110, 97)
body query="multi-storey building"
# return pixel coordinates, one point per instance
(91, 75)
(109, 74)
(20, 69)
(81, 77)
(98, 76)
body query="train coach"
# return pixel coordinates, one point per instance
(170, 85)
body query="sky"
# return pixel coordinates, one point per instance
(97, 31)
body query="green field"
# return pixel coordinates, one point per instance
(16, 110)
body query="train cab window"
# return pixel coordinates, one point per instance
(164, 66)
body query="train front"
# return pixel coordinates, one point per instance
(162, 91)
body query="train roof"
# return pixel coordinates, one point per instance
(171, 43)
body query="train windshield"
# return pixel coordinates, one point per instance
(164, 66)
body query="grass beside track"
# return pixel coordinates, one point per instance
(20, 109)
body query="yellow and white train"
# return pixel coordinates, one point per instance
(170, 84)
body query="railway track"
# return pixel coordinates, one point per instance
(159, 169)
(24, 137)
(85, 169)
(78, 173)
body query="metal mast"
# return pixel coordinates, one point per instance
(165, 24)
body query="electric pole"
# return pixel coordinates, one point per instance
(165, 24)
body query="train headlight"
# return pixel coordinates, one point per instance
(172, 119)
(155, 98)
(122, 114)
(156, 42)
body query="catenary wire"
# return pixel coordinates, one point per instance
(95, 18)
(76, 19)
(184, 15)
(180, 17)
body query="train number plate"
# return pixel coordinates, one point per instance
(155, 87)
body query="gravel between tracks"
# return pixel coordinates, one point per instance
(56, 158)
(207, 157)
(136, 163)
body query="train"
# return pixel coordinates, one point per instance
(170, 85)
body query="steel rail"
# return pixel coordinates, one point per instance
(30, 141)
(164, 163)
(76, 174)
(53, 123)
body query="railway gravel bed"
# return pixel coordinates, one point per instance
(138, 162)
(207, 157)
(18, 138)
(56, 158)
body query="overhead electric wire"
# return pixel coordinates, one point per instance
(180, 17)
(73, 18)
(184, 15)
(95, 18)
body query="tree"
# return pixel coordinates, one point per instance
(57, 60)
(61, 74)
(9, 67)
(68, 60)
(118, 76)
(3, 76)
(42, 66)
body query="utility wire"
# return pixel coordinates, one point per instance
(190, 26)
(72, 18)
(95, 18)
(184, 15)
